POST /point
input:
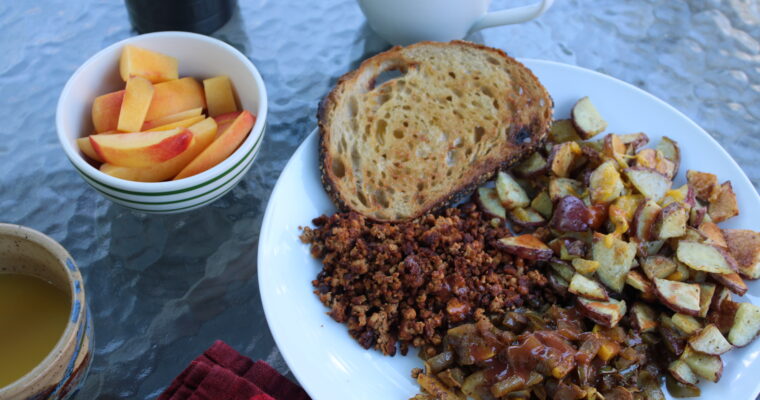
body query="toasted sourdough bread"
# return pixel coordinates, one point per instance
(458, 112)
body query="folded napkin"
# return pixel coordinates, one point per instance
(221, 373)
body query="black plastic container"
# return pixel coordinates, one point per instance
(199, 16)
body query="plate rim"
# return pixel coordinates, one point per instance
(300, 374)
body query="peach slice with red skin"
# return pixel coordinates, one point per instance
(151, 65)
(222, 146)
(141, 149)
(137, 97)
(86, 148)
(175, 96)
(203, 132)
(105, 111)
(224, 121)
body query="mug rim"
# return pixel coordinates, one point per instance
(67, 264)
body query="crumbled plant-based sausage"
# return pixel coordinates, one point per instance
(407, 283)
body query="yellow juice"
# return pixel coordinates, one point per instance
(33, 316)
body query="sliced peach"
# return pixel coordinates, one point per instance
(203, 133)
(222, 146)
(193, 112)
(175, 96)
(137, 97)
(105, 111)
(153, 66)
(86, 148)
(185, 123)
(224, 121)
(141, 149)
(219, 95)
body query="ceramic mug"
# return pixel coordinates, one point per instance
(60, 374)
(403, 22)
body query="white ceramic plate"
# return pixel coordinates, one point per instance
(331, 365)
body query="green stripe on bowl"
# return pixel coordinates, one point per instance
(122, 200)
(255, 145)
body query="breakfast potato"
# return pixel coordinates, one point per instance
(732, 282)
(525, 246)
(510, 192)
(705, 366)
(653, 159)
(634, 141)
(562, 131)
(643, 317)
(586, 119)
(489, 202)
(605, 184)
(636, 280)
(712, 233)
(614, 148)
(570, 215)
(564, 158)
(543, 204)
(746, 325)
(724, 206)
(648, 182)
(562, 187)
(706, 293)
(526, 217)
(588, 288)
(533, 166)
(705, 257)
(644, 220)
(605, 313)
(682, 372)
(704, 184)
(615, 257)
(686, 324)
(585, 267)
(709, 340)
(669, 149)
(671, 221)
(680, 297)
(744, 246)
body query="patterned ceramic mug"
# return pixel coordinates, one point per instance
(59, 375)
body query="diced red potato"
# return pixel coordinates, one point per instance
(563, 158)
(744, 246)
(648, 182)
(671, 221)
(563, 130)
(705, 366)
(635, 279)
(658, 266)
(634, 141)
(680, 297)
(605, 313)
(570, 215)
(489, 202)
(615, 258)
(698, 215)
(704, 184)
(644, 220)
(532, 166)
(585, 287)
(586, 119)
(510, 192)
(705, 257)
(713, 234)
(543, 204)
(526, 246)
(732, 282)
(706, 293)
(682, 372)
(669, 148)
(562, 187)
(722, 310)
(682, 272)
(746, 325)
(605, 184)
(643, 317)
(615, 149)
(563, 269)
(686, 324)
(725, 205)
(585, 267)
(710, 341)
(653, 159)
(683, 194)
(650, 248)
(526, 217)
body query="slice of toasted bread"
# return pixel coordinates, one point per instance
(454, 115)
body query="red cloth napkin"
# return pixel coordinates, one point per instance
(221, 373)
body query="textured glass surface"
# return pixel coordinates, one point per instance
(163, 288)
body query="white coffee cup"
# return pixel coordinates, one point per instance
(404, 22)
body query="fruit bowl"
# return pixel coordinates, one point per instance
(199, 56)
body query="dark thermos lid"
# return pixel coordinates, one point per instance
(199, 16)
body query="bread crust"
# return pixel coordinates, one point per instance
(527, 136)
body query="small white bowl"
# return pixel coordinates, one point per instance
(199, 57)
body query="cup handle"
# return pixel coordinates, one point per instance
(512, 16)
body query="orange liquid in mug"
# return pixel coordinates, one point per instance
(33, 316)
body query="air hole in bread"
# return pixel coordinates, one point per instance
(457, 92)
(406, 124)
(398, 134)
(353, 107)
(338, 168)
(421, 200)
(486, 91)
(496, 104)
(458, 142)
(362, 198)
(355, 158)
(380, 131)
(452, 75)
(382, 99)
(492, 60)
(386, 76)
(381, 199)
(478, 133)
(407, 108)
